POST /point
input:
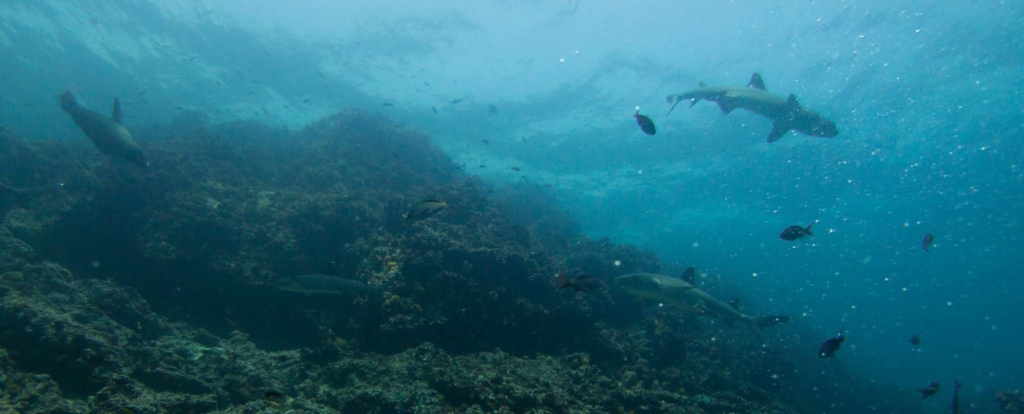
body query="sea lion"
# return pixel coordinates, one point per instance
(109, 136)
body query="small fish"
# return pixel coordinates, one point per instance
(321, 75)
(388, 104)
(491, 109)
(274, 397)
(485, 141)
(455, 101)
(516, 169)
(482, 166)
(929, 391)
(915, 340)
(424, 210)
(795, 232)
(395, 155)
(305, 100)
(956, 396)
(220, 84)
(646, 124)
(433, 109)
(582, 283)
(831, 346)
(524, 138)
(927, 242)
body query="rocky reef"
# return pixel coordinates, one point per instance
(130, 290)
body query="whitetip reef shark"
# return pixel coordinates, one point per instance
(680, 292)
(785, 112)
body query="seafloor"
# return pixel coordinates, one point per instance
(127, 290)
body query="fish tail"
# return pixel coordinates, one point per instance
(564, 283)
(673, 105)
(68, 101)
(808, 229)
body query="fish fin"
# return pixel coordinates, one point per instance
(726, 108)
(68, 101)
(117, 111)
(565, 282)
(756, 82)
(735, 303)
(674, 100)
(778, 131)
(791, 102)
(808, 229)
(701, 84)
(689, 275)
(770, 321)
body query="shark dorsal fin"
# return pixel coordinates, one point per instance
(690, 275)
(792, 102)
(756, 82)
(701, 84)
(117, 111)
(735, 303)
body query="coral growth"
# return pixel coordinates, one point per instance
(119, 286)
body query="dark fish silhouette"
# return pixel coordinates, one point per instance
(388, 104)
(582, 283)
(425, 209)
(433, 109)
(515, 169)
(956, 396)
(646, 124)
(927, 242)
(485, 141)
(929, 391)
(915, 340)
(273, 395)
(831, 346)
(795, 232)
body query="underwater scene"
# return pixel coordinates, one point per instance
(511, 206)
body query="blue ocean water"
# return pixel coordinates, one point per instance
(926, 97)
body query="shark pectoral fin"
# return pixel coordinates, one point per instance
(756, 82)
(726, 108)
(735, 303)
(778, 131)
(117, 111)
(693, 101)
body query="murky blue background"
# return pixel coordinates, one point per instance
(926, 96)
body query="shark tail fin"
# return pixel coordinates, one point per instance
(674, 100)
(116, 116)
(808, 229)
(770, 321)
(68, 101)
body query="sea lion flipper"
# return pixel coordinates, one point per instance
(117, 111)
